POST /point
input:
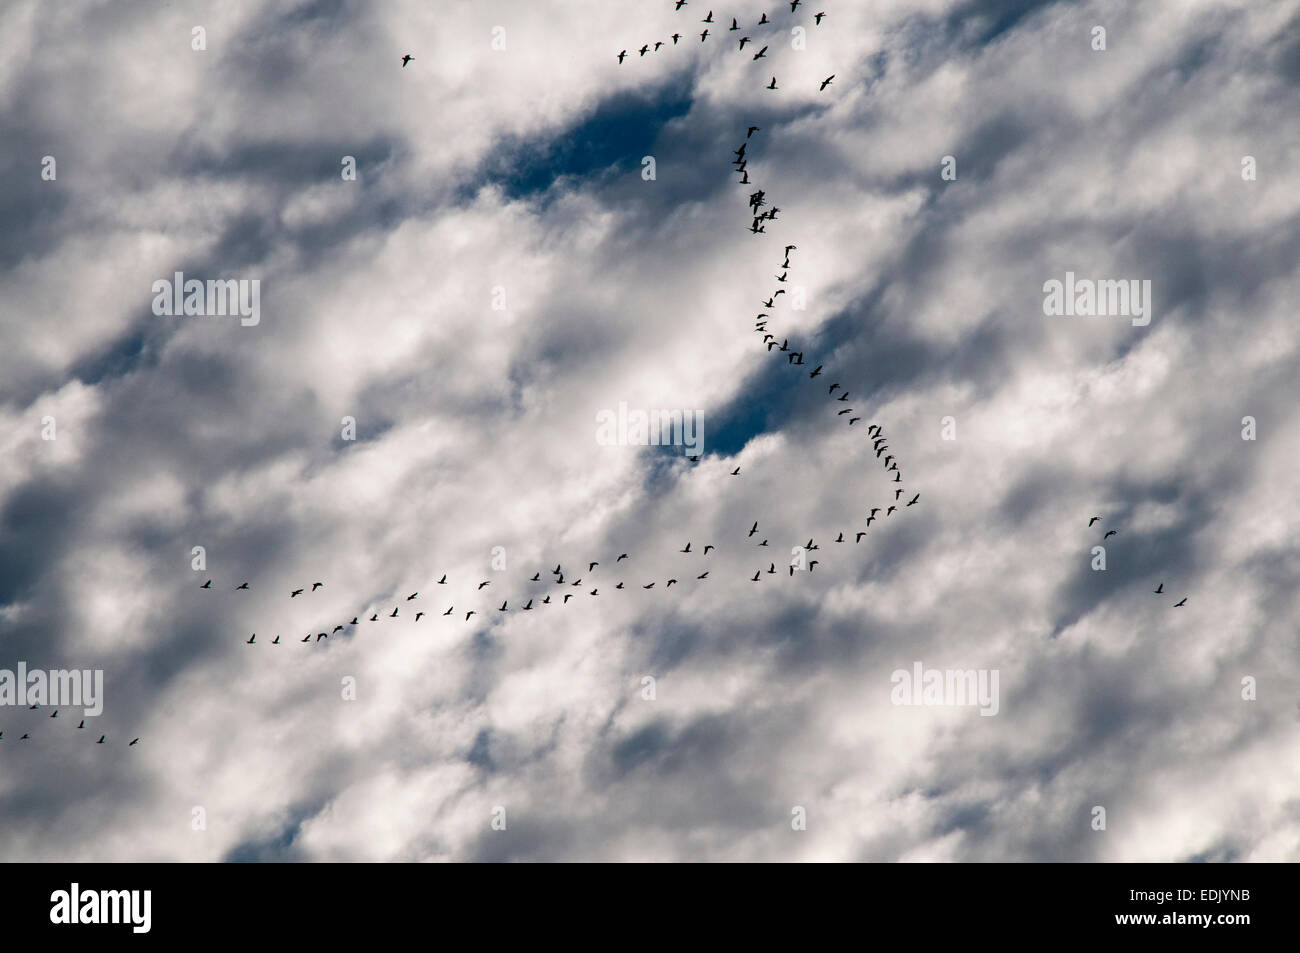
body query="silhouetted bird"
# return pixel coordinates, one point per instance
(760, 55)
(771, 85)
(487, 582)
(244, 586)
(406, 59)
(648, 586)
(317, 585)
(250, 641)
(206, 585)
(1159, 589)
(468, 614)
(621, 55)
(752, 129)
(443, 580)
(1093, 520)
(913, 499)
(621, 558)
(736, 472)
(133, 741)
(1183, 603)
(826, 82)
(296, 592)
(817, 17)
(1110, 534)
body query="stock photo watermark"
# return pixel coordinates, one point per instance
(178, 296)
(61, 688)
(946, 688)
(643, 428)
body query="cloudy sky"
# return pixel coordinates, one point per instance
(500, 271)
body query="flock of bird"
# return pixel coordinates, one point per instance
(103, 739)
(1159, 590)
(556, 588)
(734, 28)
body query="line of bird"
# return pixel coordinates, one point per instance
(735, 28)
(757, 200)
(103, 739)
(1159, 590)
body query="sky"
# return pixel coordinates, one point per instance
(438, 336)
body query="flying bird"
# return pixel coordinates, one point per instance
(443, 580)
(771, 85)
(296, 592)
(743, 41)
(411, 596)
(406, 59)
(753, 529)
(733, 24)
(645, 49)
(709, 18)
(827, 81)
(206, 585)
(250, 641)
(760, 55)
(817, 17)
(487, 582)
(244, 586)
(317, 585)
(752, 129)
(1093, 520)
(1159, 589)
(1110, 534)
(704, 36)
(1183, 603)
(621, 55)
(736, 472)
(913, 499)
